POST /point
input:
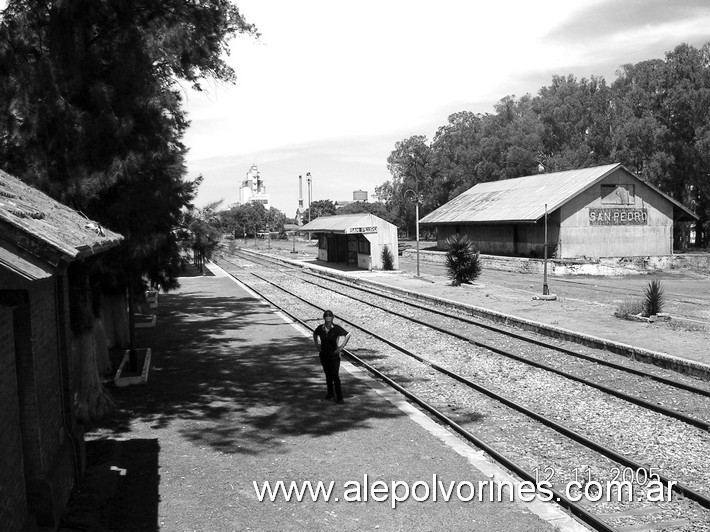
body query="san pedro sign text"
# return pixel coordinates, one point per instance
(618, 217)
(367, 229)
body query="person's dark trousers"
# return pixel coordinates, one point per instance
(331, 367)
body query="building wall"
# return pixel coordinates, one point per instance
(48, 454)
(573, 234)
(13, 498)
(386, 236)
(579, 237)
(340, 247)
(519, 240)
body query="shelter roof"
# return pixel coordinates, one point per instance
(523, 199)
(35, 228)
(345, 223)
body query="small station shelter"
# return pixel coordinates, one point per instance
(354, 239)
(603, 211)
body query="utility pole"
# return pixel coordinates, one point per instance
(308, 178)
(416, 205)
(545, 288)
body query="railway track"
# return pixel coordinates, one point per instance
(537, 422)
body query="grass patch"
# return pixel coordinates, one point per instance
(628, 308)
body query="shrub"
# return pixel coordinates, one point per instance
(463, 262)
(630, 307)
(655, 298)
(387, 259)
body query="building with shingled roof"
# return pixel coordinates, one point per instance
(42, 443)
(604, 211)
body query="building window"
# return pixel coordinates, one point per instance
(363, 246)
(618, 195)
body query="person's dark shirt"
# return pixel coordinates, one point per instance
(329, 339)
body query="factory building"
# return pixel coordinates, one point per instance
(253, 189)
(604, 211)
(354, 239)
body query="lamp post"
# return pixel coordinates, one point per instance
(416, 203)
(308, 179)
(416, 220)
(545, 288)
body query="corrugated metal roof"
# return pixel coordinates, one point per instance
(27, 211)
(343, 223)
(523, 199)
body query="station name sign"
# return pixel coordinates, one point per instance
(613, 216)
(366, 229)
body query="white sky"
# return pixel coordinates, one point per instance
(332, 85)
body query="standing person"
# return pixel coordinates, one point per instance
(330, 340)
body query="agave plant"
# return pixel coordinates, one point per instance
(463, 262)
(655, 298)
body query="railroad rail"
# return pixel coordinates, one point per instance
(433, 381)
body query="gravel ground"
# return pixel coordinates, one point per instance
(585, 303)
(644, 436)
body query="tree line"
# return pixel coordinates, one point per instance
(654, 118)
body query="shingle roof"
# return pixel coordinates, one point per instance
(31, 222)
(523, 199)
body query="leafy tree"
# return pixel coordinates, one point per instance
(319, 208)
(275, 220)
(456, 154)
(91, 113)
(411, 168)
(377, 208)
(654, 118)
(663, 128)
(203, 231)
(575, 119)
(251, 218)
(518, 133)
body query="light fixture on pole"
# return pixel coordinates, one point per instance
(546, 295)
(417, 199)
(416, 220)
(308, 178)
(545, 288)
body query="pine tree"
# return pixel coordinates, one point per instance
(91, 113)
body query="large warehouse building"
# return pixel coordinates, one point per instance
(604, 211)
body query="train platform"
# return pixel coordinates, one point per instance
(235, 400)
